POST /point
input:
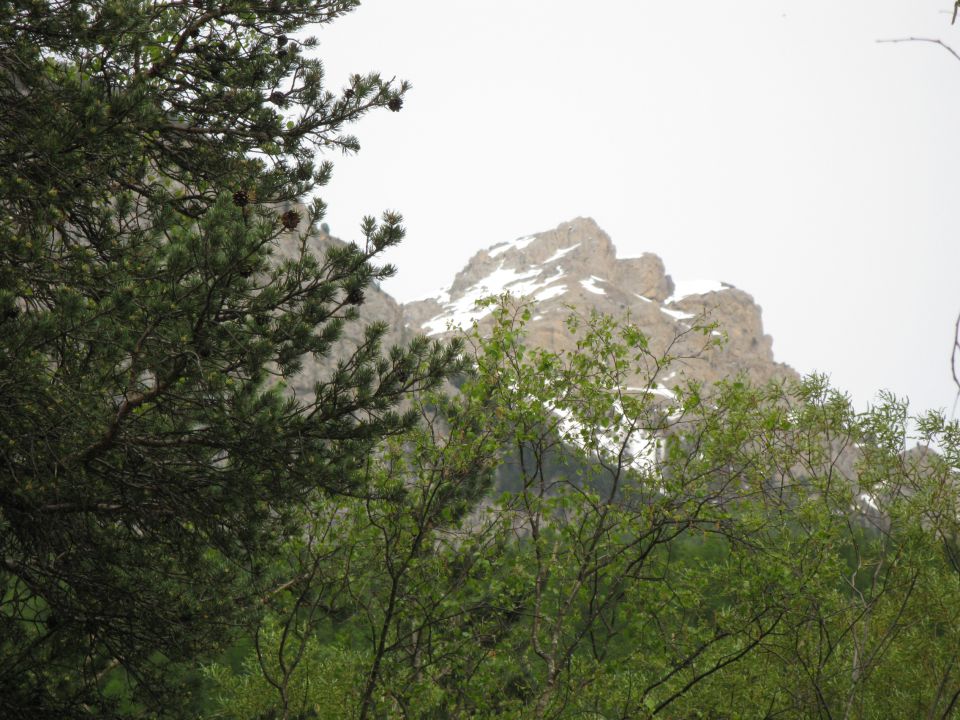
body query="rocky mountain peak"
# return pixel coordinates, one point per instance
(573, 240)
(578, 250)
(576, 264)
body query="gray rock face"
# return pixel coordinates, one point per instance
(377, 306)
(576, 265)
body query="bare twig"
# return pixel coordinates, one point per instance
(935, 41)
(954, 354)
(955, 351)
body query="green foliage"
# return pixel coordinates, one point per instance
(556, 539)
(325, 681)
(152, 465)
(735, 552)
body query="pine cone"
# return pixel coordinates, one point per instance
(395, 104)
(281, 40)
(348, 93)
(355, 296)
(241, 198)
(290, 220)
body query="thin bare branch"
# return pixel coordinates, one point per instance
(935, 41)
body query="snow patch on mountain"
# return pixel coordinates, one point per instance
(629, 445)
(590, 285)
(686, 288)
(560, 253)
(659, 390)
(577, 263)
(519, 244)
(550, 293)
(463, 312)
(677, 314)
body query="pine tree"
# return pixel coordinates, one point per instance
(150, 457)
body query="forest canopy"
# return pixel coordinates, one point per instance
(470, 529)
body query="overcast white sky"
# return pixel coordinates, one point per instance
(772, 144)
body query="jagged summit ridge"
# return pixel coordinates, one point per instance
(578, 248)
(576, 264)
(569, 264)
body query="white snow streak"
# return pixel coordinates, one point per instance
(550, 293)
(590, 285)
(685, 288)
(518, 244)
(660, 390)
(462, 312)
(677, 314)
(869, 500)
(639, 449)
(560, 253)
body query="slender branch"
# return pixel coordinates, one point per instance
(955, 353)
(719, 665)
(956, 331)
(953, 702)
(935, 41)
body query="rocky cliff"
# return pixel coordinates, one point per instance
(377, 306)
(575, 267)
(576, 264)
